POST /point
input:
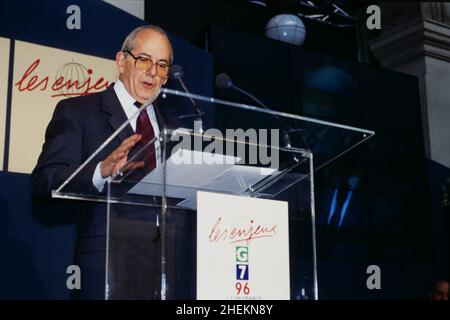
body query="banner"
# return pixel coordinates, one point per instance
(4, 68)
(43, 76)
(242, 248)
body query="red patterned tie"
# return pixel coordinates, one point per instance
(145, 129)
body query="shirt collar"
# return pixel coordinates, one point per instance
(124, 97)
(126, 100)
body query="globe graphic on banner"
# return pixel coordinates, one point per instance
(287, 28)
(76, 75)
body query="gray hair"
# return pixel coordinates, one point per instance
(130, 40)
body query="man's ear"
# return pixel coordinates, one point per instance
(120, 61)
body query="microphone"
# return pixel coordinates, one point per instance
(176, 71)
(223, 81)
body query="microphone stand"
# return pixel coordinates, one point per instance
(198, 112)
(285, 136)
(286, 130)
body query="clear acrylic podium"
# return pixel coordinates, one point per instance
(236, 149)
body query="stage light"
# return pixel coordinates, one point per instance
(287, 28)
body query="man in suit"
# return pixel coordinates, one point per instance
(80, 125)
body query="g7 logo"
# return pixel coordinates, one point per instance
(242, 254)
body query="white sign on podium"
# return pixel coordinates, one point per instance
(242, 248)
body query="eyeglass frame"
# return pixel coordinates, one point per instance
(153, 63)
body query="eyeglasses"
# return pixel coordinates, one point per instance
(143, 64)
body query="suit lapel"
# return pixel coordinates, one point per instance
(112, 106)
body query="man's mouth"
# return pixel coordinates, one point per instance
(148, 85)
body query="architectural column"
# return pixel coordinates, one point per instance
(415, 39)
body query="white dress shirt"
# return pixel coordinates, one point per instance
(127, 103)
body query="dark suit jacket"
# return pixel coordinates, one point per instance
(78, 127)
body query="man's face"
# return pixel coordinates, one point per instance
(143, 85)
(440, 291)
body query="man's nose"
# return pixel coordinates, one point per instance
(152, 70)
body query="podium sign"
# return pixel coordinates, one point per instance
(242, 248)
